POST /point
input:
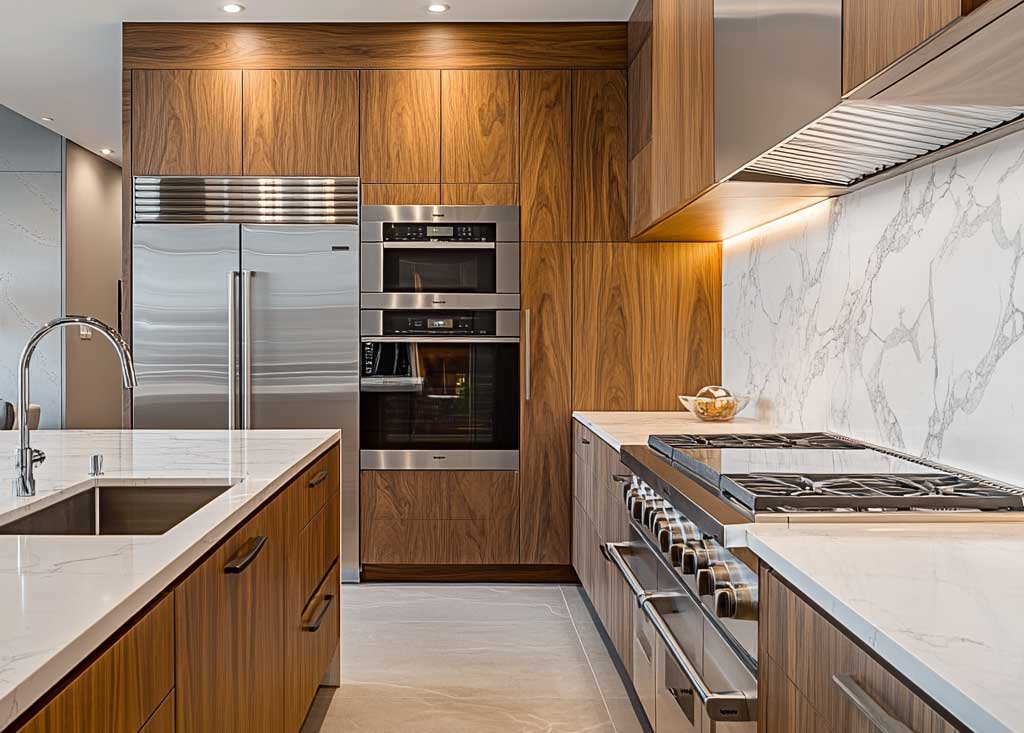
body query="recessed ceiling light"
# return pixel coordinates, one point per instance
(232, 7)
(439, 7)
(106, 151)
(46, 119)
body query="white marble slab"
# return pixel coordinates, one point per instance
(63, 596)
(634, 428)
(941, 603)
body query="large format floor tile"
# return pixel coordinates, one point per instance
(472, 658)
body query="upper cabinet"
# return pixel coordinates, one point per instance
(599, 205)
(187, 122)
(545, 123)
(480, 130)
(400, 132)
(301, 123)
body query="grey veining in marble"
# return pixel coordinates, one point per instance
(31, 254)
(894, 314)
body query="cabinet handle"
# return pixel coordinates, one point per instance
(245, 555)
(527, 356)
(868, 705)
(319, 479)
(316, 623)
(585, 441)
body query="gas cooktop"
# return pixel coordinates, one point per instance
(665, 443)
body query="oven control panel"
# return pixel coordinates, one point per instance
(439, 323)
(440, 232)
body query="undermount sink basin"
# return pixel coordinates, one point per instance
(148, 509)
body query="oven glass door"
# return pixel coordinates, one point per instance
(439, 269)
(440, 394)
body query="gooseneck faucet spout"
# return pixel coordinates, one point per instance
(25, 483)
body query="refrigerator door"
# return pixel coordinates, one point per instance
(300, 344)
(182, 318)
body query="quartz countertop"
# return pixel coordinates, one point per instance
(634, 428)
(63, 596)
(941, 603)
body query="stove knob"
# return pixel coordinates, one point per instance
(680, 551)
(715, 576)
(651, 507)
(736, 601)
(699, 556)
(661, 518)
(636, 502)
(627, 483)
(676, 533)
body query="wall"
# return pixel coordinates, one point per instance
(93, 266)
(30, 257)
(895, 314)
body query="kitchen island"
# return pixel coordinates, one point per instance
(67, 597)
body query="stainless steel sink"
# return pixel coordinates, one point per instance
(117, 510)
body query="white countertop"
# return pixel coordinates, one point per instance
(63, 596)
(634, 428)
(941, 603)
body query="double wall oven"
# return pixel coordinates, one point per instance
(439, 338)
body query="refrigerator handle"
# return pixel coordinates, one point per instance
(232, 350)
(247, 277)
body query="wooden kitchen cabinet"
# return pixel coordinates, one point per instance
(121, 689)
(480, 194)
(400, 126)
(162, 720)
(545, 175)
(599, 176)
(439, 518)
(802, 652)
(480, 126)
(401, 194)
(228, 633)
(878, 32)
(186, 123)
(545, 495)
(300, 123)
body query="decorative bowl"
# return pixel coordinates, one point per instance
(714, 404)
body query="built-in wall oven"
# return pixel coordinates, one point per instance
(439, 331)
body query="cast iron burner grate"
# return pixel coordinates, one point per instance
(665, 444)
(863, 492)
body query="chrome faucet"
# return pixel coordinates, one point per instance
(25, 483)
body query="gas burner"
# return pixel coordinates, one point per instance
(865, 492)
(665, 444)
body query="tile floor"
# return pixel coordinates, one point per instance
(439, 658)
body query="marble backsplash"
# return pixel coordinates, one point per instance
(894, 314)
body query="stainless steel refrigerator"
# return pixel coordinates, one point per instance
(240, 324)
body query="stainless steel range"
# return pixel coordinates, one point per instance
(688, 497)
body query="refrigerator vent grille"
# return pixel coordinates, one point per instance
(246, 200)
(858, 139)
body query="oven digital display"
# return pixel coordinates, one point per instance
(436, 231)
(440, 323)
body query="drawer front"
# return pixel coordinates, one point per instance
(644, 668)
(806, 647)
(583, 441)
(163, 719)
(317, 548)
(312, 635)
(120, 690)
(319, 482)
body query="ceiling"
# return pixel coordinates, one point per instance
(63, 60)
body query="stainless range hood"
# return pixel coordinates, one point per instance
(781, 118)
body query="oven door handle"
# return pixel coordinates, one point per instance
(438, 245)
(612, 552)
(441, 340)
(720, 706)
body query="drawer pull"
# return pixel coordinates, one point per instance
(585, 441)
(319, 479)
(245, 555)
(868, 705)
(318, 621)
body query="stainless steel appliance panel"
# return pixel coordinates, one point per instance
(182, 320)
(505, 217)
(440, 460)
(304, 348)
(434, 301)
(373, 254)
(371, 323)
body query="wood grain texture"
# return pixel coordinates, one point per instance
(307, 653)
(440, 517)
(396, 194)
(400, 128)
(877, 32)
(469, 573)
(632, 300)
(545, 495)
(545, 175)
(228, 640)
(187, 122)
(119, 691)
(807, 650)
(162, 720)
(373, 46)
(480, 194)
(599, 171)
(300, 123)
(480, 126)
